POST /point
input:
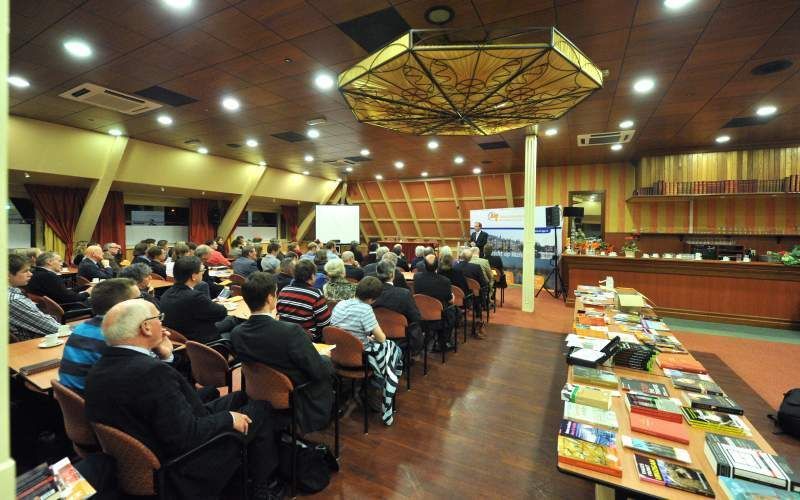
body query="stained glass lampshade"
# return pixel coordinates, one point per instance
(456, 82)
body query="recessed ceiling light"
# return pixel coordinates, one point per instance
(626, 124)
(616, 147)
(766, 110)
(231, 103)
(399, 165)
(378, 177)
(164, 119)
(439, 14)
(18, 81)
(306, 172)
(27, 175)
(676, 4)
(312, 133)
(115, 132)
(202, 150)
(178, 4)
(644, 85)
(251, 143)
(458, 160)
(78, 48)
(162, 189)
(364, 152)
(723, 139)
(432, 144)
(323, 81)
(349, 169)
(262, 163)
(424, 174)
(551, 131)
(308, 158)
(476, 170)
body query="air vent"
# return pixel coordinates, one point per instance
(290, 136)
(233, 145)
(747, 121)
(357, 159)
(493, 145)
(341, 163)
(191, 141)
(771, 67)
(166, 96)
(605, 138)
(95, 95)
(375, 30)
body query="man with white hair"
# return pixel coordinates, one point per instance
(399, 280)
(130, 389)
(46, 281)
(93, 266)
(474, 271)
(485, 267)
(369, 269)
(350, 268)
(419, 255)
(402, 261)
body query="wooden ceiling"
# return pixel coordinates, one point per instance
(700, 56)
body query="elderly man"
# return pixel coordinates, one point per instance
(112, 252)
(369, 269)
(46, 281)
(216, 258)
(395, 298)
(93, 266)
(399, 279)
(402, 262)
(433, 284)
(472, 270)
(270, 262)
(351, 269)
(419, 256)
(140, 274)
(209, 286)
(245, 264)
(287, 272)
(133, 391)
(485, 267)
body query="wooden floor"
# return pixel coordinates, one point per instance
(481, 426)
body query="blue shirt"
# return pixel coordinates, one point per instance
(83, 349)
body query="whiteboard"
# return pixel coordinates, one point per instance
(19, 236)
(337, 222)
(135, 234)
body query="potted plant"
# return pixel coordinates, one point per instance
(630, 247)
(791, 258)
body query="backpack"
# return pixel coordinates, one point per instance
(315, 463)
(788, 417)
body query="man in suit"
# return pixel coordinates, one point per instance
(399, 300)
(46, 281)
(287, 273)
(402, 262)
(245, 264)
(399, 280)
(351, 270)
(93, 266)
(369, 269)
(474, 271)
(140, 253)
(287, 348)
(190, 311)
(429, 282)
(157, 256)
(140, 273)
(112, 252)
(478, 237)
(130, 389)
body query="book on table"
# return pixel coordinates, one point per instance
(648, 469)
(684, 478)
(586, 395)
(672, 431)
(652, 448)
(590, 456)
(589, 433)
(651, 324)
(643, 387)
(589, 415)
(593, 376)
(743, 459)
(722, 404)
(737, 489)
(699, 386)
(716, 422)
(680, 362)
(661, 408)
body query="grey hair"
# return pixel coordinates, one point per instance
(348, 256)
(287, 265)
(466, 253)
(385, 271)
(445, 250)
(137, 272)
(390, 257)
(335, 268)
(380, 252)
(202, 250)
(419, 250)
(429, 251)
(397, 246)
(121, 322)
(44, 258)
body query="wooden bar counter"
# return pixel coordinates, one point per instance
(752, 293)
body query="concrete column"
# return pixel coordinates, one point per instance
(529, 237)
(228, 222)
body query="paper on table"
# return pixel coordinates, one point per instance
(587, 355)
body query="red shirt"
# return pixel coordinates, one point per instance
(216, 259)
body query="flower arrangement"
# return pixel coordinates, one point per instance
(791, 258)
(630, 245)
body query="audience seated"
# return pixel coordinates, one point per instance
(77, 254)
(245, 264)
(495, 262)
(301, 303)
(429, 282)
(132, 391)
(140, 253)
(236, 248)
(86, 343)
(398, 299)
(220, 245)
(357, 255)
(337, 287)
(286, 347)
(351, 268)
(330, 250)
(369, 269)
(402, 262)
(455, 276)
(399, 280)
(474, 271)
(293, 247)
(112, 252)
(46, 281)
(287, 272)
(311, 251)
(156, 255)
(371, 256)
(270, 263)
(93, 266)
(190, 311)
(140, 274)
(26, 321)
(419, 256)
(320, 259)
(209, 285)
(484, 265)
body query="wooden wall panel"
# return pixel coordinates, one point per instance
(407, 230)
(429, 229)
(379, 207)
(493, 185)
(453, 230)
(467, 186)
(393, 190)
(401, 210)
(388, 228)
(423, 210)
(416, 190)
(372, 190)
(446, 210)
(496, 203)
(441, 189)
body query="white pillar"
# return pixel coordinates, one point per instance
(529, 204)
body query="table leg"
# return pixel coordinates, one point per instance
(603, 492)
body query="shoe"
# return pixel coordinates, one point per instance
(275, 490)
(480, 333)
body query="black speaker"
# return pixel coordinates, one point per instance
(553, 216)
(214, 216)
(573, 211)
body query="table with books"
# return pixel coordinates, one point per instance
(649, 420)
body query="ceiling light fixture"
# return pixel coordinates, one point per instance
(164, 119)
(399, 165)
(323, 81)
(378, 177)
(644, 85)
(723, 139)
(439, 15)
(178, 4)
(551, 132)
(18, 81)
(616, 147)
(202, 150)
(308, 158)
(115, 132)
(231, 103)
(458, 160)
(306, 172)
(433, 145)
(349, 169)
(364, 152)
(262, 163)
(27, 175)
(476, 170)
(312, 133)
(626, 124)
(676, 4)
(767, 110)
(424, 174)
(78, 48)
(251, 143)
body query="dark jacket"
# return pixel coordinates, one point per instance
(434, 285)
(283, 280)
(496, 262)
(470, 270)
(46, 282)
(353, 272)
(399, 300)
(456, 277)
(140, 259)
(288, 348)
(151, 298)
(91, 270)
(191, 313)
(399, 280)
(244, 266)
(370, 269)
(158, 268)
(480, 240)
(403, 264)
(357, 255)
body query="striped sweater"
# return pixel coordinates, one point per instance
(305, 305)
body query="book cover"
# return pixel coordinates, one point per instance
(719, 423)
(714, 403)
(655, 325)
(593, 376)
(680, 362)
(644, 387)
(660, 450)
(589, 415)
(661, 408)
(736, 489)
(589, 456)
(664, 429)
(648, 469)
(671, 373)
(685, 478)
(748, 464)
(589, 433)
(72, 485)
(585, 395)
(697, 385)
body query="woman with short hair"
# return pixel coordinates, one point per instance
(337, 287)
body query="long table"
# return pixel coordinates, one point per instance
(607, 486)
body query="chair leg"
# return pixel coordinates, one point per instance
(465, 323)
(502, 296)
(294, 457)
(245, 473)
(366, 405)
(455, 334)
(337, 391)
(408, 363)
(425, 351)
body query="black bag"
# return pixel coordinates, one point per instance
(788, 418)
(315, 463)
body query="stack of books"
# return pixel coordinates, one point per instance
(654, 406)
(736, 489)
(693, 382)
(672, 475)
(789, 184)
(635, 356)
(719, 423)
(680, 362)
(644, 387)
(590, 456)
(590, 415)
(744, 459)
(588, 396)
(722, 404)
(593, 376)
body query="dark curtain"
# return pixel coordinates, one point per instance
(111, 224)
(60, 208)
(200, 228)
(289, 215)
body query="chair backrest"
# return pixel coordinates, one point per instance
(352, 280)
(81, 281)
(237, 278)
(392, 323)
(176, 336)
(236, 290)
(474, 286)
(458, 296)
(429, 308)
(79, 431)
(265, 383)
(209, 367)
(49, 306)
(156, 276)
(349, 350)
(136, 463)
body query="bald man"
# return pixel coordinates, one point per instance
(131, 390)
(93, 266)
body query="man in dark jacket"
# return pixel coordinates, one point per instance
(133, 391)
(287, 348)
(429, 282)
(190, 311)
(399, 300)
(157, 256)
(474, 271)
(46, 281)
(246, 264)
(93, 266)
(350, 268)
(286, 275)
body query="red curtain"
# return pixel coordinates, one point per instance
(60, 208)
(289, 214)
(111, 224)
(200, 228)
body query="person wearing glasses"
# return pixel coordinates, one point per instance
(190, 311)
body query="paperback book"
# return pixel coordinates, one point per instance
(722, 404)
(589, 456)
(593, 376)
(643, 387)
(663, 429)
(652, 448)
(589, 433)
(661, 408)
(589, 415)
(648, 469)
(719, 423)
(680, 362)
(684, 478)
(743, 459)
(697, 385)
(589, 396)
(737, 489)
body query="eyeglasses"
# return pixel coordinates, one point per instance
(160, 317)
